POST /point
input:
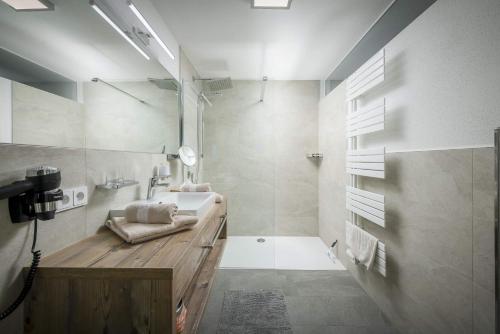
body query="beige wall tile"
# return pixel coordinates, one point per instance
(484, 310)
(484, 217)
(428, 234)
(67, 228)
(114, 121)
(296, 226)
(331, 174)
(113, 164)
(429, 205)
(42, 118)
(256, 154)
(432, 243)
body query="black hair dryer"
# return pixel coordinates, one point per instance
(31, 199)
(35, 196)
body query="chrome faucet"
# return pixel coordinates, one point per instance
(154, 182)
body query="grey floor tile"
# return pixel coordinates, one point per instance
(209, 324)
(236, 279)
(347, 311)
(317, 301)
(320, 283)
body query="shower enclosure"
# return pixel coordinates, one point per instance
(258, 136)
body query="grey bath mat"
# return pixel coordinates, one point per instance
(254, 312)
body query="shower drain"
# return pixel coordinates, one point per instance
(261, 240)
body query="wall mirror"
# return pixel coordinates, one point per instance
(68, 79)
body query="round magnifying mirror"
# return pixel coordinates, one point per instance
(187, 156)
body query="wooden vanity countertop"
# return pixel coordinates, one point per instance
(105, 255)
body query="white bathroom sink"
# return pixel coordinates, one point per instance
(189, 203)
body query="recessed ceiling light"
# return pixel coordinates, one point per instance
(271, 4)
(30, 5)
(151, 31)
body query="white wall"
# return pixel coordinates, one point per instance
(443, 79)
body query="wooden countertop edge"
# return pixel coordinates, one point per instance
(106, 273)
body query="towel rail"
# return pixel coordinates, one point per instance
(371, 162)
(366, 162)
(366, 120)
(380, 259)
(366, 204)
(367, 76)
(380, 262)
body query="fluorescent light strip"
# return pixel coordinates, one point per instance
(151, 31)
(121, 32)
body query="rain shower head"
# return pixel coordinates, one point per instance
(214, 85)
(168, 84)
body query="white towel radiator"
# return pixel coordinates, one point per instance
(368, 162)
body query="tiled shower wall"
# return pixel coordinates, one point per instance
(78, 167)
(255, 153)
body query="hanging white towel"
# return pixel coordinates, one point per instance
(348, 242)
(361, 245)
(350, 256)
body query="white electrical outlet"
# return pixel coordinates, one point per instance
(67, 202)
(80, 195)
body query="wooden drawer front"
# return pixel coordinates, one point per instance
(194, 257)
(196, 297)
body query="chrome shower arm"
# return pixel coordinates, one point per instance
(118, 89)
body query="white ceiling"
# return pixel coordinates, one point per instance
(227, 37)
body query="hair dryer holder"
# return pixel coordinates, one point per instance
(36, 196)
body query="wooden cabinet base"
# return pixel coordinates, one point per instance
(103, 285)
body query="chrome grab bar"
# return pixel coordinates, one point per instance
(217, 234)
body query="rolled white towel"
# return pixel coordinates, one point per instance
(191, 187)
(151, 213)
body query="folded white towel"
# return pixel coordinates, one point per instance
(151, 213)
(191, 187)
(136, 232)
(361, 244)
